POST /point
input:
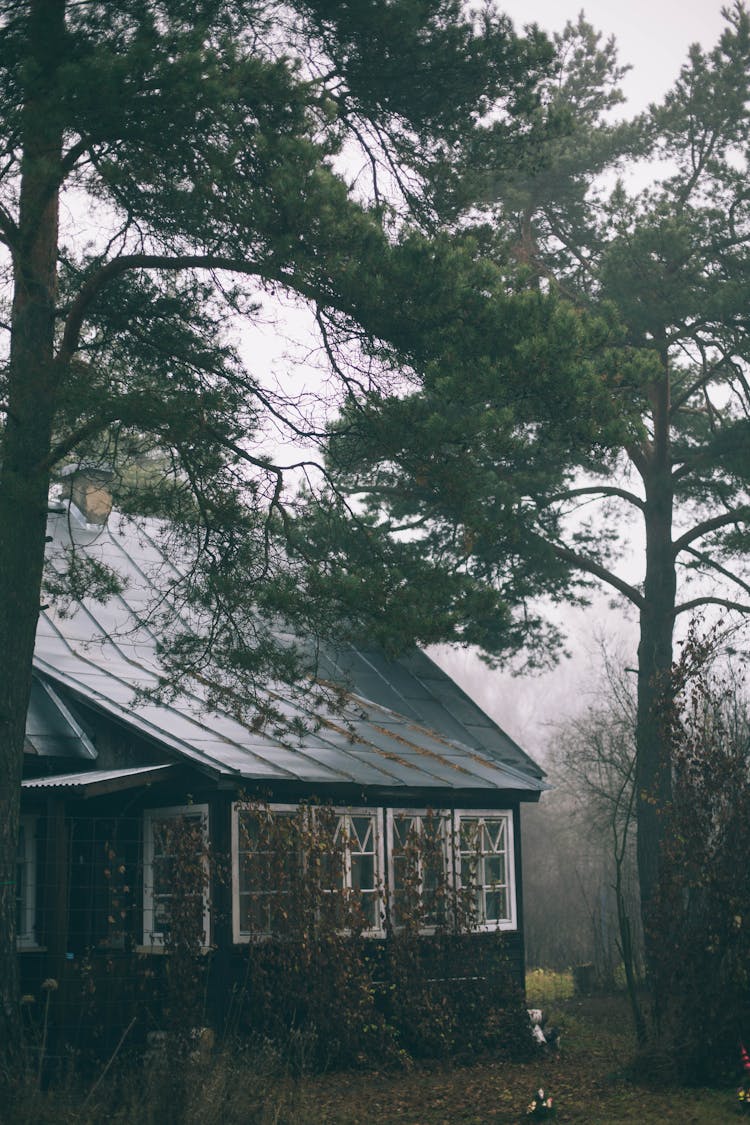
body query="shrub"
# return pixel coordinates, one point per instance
(702, 975)
(354, 1000)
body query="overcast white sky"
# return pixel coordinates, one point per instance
(653, 35)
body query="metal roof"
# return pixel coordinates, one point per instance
(405, 723)
(96, 782)
(51, 730)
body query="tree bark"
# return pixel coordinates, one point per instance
(24, 477)
(653, 766)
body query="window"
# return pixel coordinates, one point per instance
(267, 849)
(451, 866)
(420, 865)
(175, 875)
(359, 871)
(296, 865)
(485, 865)
(26, 937)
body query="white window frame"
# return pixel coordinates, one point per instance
(452, 859)
(240, 936)
(510, 922)
(343, 813)
(446, 818)
(154, 939)
(26, 937)
(378, 890)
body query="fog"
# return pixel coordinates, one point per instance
(529, 706)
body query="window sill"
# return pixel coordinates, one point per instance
(161, 950)
(259, 938)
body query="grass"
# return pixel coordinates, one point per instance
(588, 1079)
(545, 986)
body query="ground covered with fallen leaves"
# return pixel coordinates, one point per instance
(588, 1079)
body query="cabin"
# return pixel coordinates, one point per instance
(109, 769)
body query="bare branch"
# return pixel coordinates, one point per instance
(8, 228)
(598, 490)
(259, 462)
(708, 372)
(696, 603)
(346, 380)
(711, 564)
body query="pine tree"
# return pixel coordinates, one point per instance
(203, 138)
(508, 467)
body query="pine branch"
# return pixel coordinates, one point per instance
(736, 515)
(68, 444)
(730, 439)
(118, 266)
(590, 566)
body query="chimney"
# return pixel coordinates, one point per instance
(87, 486)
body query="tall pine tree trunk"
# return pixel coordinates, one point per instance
(653, 767)
(24, 472)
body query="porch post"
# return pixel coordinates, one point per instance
(220, 978)
(56, 882)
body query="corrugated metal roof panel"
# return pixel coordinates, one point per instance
(95, 778)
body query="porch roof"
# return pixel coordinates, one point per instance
(94, 783)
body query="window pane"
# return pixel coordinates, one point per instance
(484, 867)
(360, 867)
(177, 867)
(402, 827)
(163, 874)
(163, 834)
(370, 912)
(269, 861)
(363, 872)
(332, 871)
(361, 833)
(253, 914)
(494, 869)
(418, 867)
(469, 835)
(495, 906)
(161, 915)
